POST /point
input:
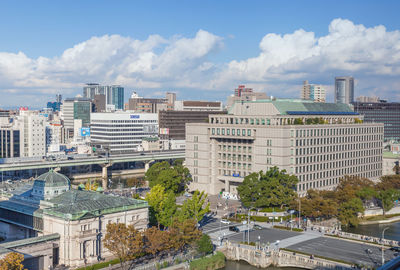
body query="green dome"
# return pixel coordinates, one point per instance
(54, 179)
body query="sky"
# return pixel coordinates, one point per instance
(199, 49)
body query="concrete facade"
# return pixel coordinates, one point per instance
(315, 92)
(256, 136)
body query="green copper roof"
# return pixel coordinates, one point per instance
(54, 179)
(302, 105)
(82, 204)
(29, 241)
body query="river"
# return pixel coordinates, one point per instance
(375, 230)
(232, 265)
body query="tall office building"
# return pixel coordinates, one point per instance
(114, 93)
(318, 142)
(244, 94)
(384, 112)
(122, 131)
(242, 89)
(344, 90)
(77, 108)
(314, 92)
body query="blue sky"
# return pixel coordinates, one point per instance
(200, 49)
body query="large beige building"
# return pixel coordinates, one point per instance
(318, 142)
(76, 220)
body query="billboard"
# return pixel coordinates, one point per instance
(85, 132)
(164, 131)
(135, 116)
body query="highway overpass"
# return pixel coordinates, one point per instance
(140, 156)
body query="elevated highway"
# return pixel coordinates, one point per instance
(140, 156)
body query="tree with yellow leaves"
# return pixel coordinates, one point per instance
(12, 261)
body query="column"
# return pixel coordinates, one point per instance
(227, 186)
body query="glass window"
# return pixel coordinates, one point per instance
(223, 131)
(233, 131)
(228, 131)
(243, 132)
(249, 132)
(213, 131)
(238, 132)
(218, 131)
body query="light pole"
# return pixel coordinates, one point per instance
(383, 241)
(299, 212)
(248, 225)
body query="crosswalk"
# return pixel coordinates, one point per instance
(215, 229)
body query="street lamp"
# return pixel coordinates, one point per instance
(248, 225)
(383, 240)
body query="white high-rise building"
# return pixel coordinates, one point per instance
(314, 92)
(122, 131)
(32, 128)
(344, 90)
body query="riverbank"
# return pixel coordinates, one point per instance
(380, 219)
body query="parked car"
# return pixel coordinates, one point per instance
(225, 221)
(233, 229)
(257, 227)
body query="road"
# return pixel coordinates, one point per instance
(309, 242)
(345, 250)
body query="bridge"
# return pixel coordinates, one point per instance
(140, 156)
(264, 257)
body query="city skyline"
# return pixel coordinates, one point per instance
(270, 47)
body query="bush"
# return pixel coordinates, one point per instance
(204, 245)
(287, 228)
(216, 261)
(165, 264)
(272, 209)
(100, 265)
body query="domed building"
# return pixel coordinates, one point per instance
(50, 184)
(72, 222)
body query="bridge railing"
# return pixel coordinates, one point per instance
(366, 238)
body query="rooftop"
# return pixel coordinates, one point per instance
(81, 204)
(388, 154)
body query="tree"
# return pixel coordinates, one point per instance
(91, 185)
(12, 261)
(134, 182)
(270, 189)
(162, 206)
(389, 182)
(348, 212)
(183, 233)
(349, 186)
(195, 208)
(155, 240)
(205, 245)
(173, 178)
(386, 199)
(125, 242)
(315, 205)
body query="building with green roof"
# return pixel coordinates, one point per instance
(49, 206)
(318, 142)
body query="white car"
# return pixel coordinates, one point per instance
(225, 221)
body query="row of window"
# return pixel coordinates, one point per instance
(337, 131)
(233, 132)
(233, 148)
(233, 157)
(352, 157)
(338, 140)
(328, 172)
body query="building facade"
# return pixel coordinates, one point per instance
(193, 105)
(122, 131)
(384, 112)
(32, 133)
(49, 207)
(344, 90)
(146, 105)
(173, 123)
(114, 94)
(318, 142)
(314, 92)
(73, 109)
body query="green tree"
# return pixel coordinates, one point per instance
(270, 189)
(315, 205)
(195, 208)
(162, 206)
(386, 199)
(348, 212)
(204, 245)
(173, 178)
(12, 261)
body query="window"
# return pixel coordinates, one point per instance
(218, 131)
(238, 132)
(228, 131)
(249, 132)
(213, 131)
(196, 138)
(243, 132)
(233, 131)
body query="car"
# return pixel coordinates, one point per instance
(225, 221)
(257, 227)
(397, 249)
(70, 158)
(233, 229)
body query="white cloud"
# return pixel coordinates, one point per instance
(371, 55)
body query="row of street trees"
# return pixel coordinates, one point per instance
(276, 188)
(350, 198)
(173, 227)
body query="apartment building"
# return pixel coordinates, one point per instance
(314, 92)
(318, 142)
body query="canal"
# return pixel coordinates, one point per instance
(375, 230)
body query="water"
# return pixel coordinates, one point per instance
(241, 265)
(393, 233)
